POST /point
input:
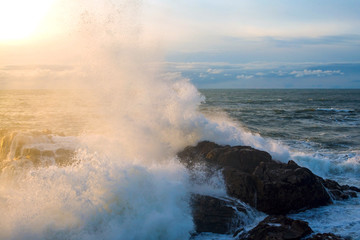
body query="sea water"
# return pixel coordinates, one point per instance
(320, 128)
(76, 168)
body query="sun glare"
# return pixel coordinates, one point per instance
(19, 19)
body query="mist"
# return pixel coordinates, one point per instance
(97, 160)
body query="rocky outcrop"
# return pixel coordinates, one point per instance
(326, 236)
(340, 192)
(268, 185)
(278, 228)
(243, 158)
(253, 177)
(284, 188)
(211, 214)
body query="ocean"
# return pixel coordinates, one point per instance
(319, 127)
(83, 165)
(321, 124)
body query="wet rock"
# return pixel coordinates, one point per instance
(339, 192)
(287, 188)
(253, 177)
(243, 158)
(64, 157)
(278, 228)
(326, 236)
(353, 188)
(216, 215)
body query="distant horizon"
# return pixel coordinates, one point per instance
(278, 88)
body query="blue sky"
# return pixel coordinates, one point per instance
(244, 31)
(319, 38)
(214, 43)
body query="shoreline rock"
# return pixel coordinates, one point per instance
(326, 236)
(278, 227)
(270, 186)
(273, 187)
(212, 214)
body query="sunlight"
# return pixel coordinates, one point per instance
(19, 19)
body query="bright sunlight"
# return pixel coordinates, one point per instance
(19, 19)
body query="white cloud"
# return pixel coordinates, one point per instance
(202, 75)
(214, 71)
(39, 76)
(243, 76)
(260, 74)
(318, 73)
(279, 73)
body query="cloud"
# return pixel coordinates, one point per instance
(318, 73)
(202, 75)
(334, 40)
(260, 74)
(214, 71)
(54, 68)
(243, 76)
(38, 76)
(279, 73)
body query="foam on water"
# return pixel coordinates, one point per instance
(344, 168)
(221, 129)
(341, 218)
(103, 190)
(125, 183)
(120, 178)
(97, 198)
(127, 175)
(120, 183)
(335, 110)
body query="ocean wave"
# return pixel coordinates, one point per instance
(24, 149)
(335, 110)
(97, 198)
(341, 167)
(334, 218)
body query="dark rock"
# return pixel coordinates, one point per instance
(355, 189)
(253, 177)
(326, 236)
(278, 228)
(339, 192)
(349, 188)
(211, 214)
(331, 184)
(242, 158)
(64, 157)
(288, 187)
(241, 185)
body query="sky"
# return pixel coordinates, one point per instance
(216, 44)
(260, 30)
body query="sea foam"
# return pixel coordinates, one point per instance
(121, 178)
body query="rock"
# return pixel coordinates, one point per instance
(326, 236)
(216, 215)
(242, 158)
(339, 192)
(253, 177)
(64, 157)
(278, 228)
(354, 189)
(287, 188)
(241, 185)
